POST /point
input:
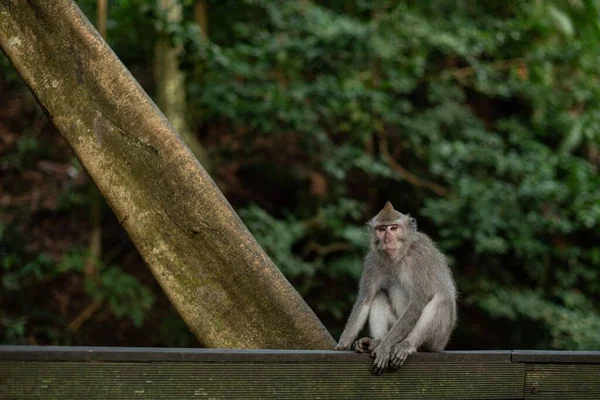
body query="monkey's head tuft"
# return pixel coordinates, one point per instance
(388, 213)
(387, 216)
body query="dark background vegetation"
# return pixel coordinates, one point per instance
(481, 119)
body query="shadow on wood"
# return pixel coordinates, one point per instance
(122, 373)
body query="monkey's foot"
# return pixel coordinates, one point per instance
(340, 347)
(400, 352)
(366, 345)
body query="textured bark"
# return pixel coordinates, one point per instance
(210, 266)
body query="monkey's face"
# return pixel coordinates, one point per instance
(389, 238)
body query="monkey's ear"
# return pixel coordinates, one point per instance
(412, 223)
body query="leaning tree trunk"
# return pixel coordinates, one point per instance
(225, 287)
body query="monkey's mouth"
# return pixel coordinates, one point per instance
(388, 248)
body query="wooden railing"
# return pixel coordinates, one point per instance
(30, 372)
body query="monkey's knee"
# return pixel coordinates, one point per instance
(438, 343)
(441, 328)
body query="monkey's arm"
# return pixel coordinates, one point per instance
(356, 321)
(399, 331)
(357, 318)
(405, 323)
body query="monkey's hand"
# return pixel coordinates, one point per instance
(341, 347)
(400, 352)
(366, 345)
(381, 354)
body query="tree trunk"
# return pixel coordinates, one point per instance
(225, 287)
(170, 80)
(102, 18)
(95, 241)
(201, 17)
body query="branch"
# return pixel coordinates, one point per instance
(324, 250)
(84, 315)
(405, 174)
(465, 72)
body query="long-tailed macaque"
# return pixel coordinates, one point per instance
(406, 291)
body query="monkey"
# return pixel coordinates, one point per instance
(406, 291)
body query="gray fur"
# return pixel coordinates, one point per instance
(406, 293)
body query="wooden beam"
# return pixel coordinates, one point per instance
(105, 372)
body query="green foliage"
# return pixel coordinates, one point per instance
(124, 295)
(130, 28)
(27, 150)
(479, 118)
(295, 247)
(496, 103)
(283, 239)
(278, 238)
(10, 75)
(14, 330)
(17, 276)
(174, 332)
(571, 319)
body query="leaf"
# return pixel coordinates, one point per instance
(562, 20)
(573, 138)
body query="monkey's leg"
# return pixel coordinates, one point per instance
(433, 320)
(446, 319)
(357, 319)
(381, 318)
(396, 299)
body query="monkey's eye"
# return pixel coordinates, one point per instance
(394, 227)
(381, 229)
